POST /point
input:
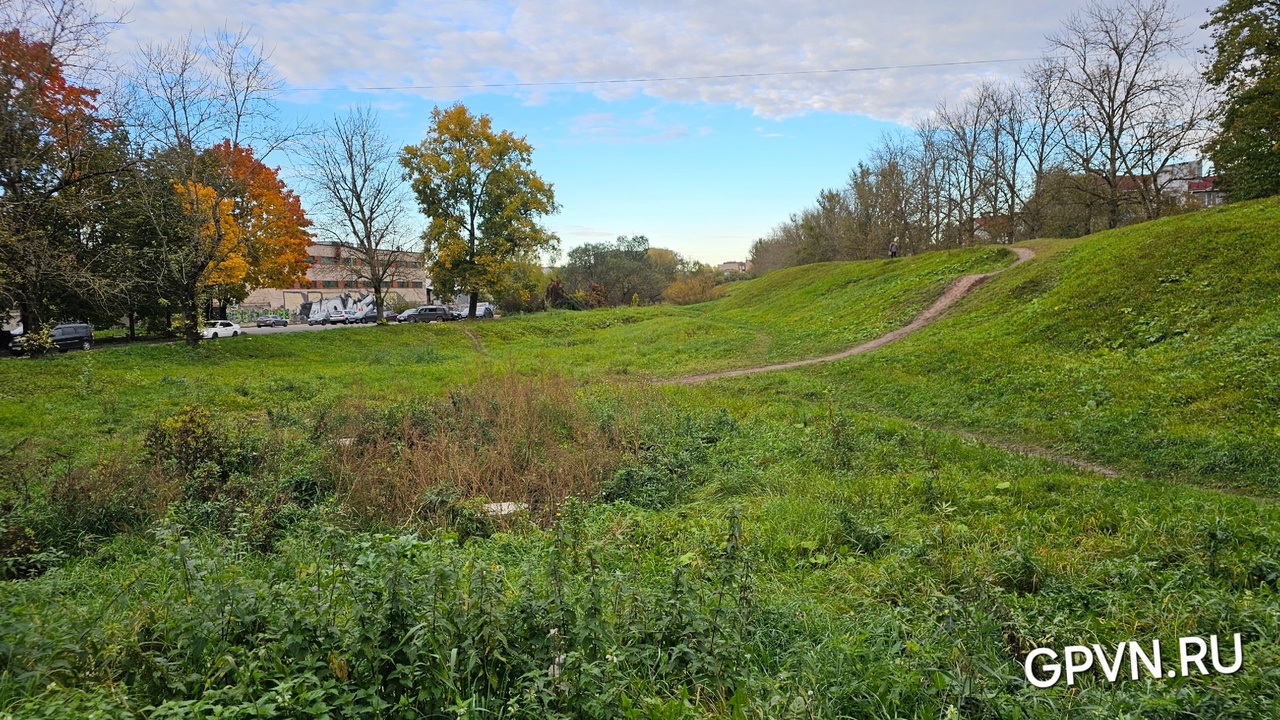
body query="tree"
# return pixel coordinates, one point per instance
(269, 225)
(353, 170)
(1245, 68)
(625, 268)
(190, 96)
(1125, 111)
(482, 199)
(58, 159)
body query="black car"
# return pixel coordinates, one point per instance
(368, 315)
(66, 336)
(408, 315)
(432, 313)
(272, 321)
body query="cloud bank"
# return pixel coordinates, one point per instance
(361, 43)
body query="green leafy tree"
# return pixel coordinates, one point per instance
(58, 160)
(1246, 70)
(482, 199)
(625, 269)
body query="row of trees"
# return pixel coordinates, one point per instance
(141, 192)
(146, 197)
(1087, 139)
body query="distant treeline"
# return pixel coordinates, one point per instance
(1094, 135)
(625, 272)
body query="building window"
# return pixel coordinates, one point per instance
(329, 284)
(416, 284)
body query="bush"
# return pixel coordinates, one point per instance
(670, 460)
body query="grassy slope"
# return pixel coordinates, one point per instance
(78, 398)
(1155, 348)
(984, 554)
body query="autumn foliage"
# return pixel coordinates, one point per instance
(252, 224)
(269, 218)
(36, 93)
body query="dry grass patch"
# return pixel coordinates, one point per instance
(531, 440)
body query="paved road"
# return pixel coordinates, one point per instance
(254, 330)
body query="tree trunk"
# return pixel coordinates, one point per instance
(471, 309)
(133, 321)
(192, 316)
(29, 318)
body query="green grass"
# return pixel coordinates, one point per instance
(76, 400)
(1154, 348)
(798, 544)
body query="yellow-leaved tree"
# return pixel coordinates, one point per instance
(482, 199)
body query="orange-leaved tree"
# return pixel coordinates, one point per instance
(52, 142)
(272, 227)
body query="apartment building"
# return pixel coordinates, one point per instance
(334, 278)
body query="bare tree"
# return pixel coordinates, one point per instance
(75, 31)
(1125, 109)
(965, 137)
(354, 170)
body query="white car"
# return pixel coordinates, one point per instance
(219, 328)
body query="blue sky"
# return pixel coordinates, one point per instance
(702, 167)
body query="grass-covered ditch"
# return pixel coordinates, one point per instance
(675, 554)
(389, 523)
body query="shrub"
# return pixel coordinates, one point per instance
(669, 460)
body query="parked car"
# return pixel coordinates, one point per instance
(65, 336)
(321, 318)
(272, 321)
(391, 316)
(483, 310)
(368, 315)
(408, 315)
(215, 329)
(346, 317)
(432, 313)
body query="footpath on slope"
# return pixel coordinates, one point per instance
(958, 288)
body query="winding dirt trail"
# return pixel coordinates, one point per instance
(958, 288)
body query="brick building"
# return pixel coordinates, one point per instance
(333, 279)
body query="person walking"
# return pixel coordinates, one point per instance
(893, 248)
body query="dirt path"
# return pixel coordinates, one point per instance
(474, 341)
(1033, 451)
(958, 288)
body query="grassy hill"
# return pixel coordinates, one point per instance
(114, 392)
(1154, 348)
(295, 525)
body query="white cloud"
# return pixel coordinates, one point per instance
(353, 43)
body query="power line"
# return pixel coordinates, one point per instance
(621, 81)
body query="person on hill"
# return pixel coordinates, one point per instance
(893, 248)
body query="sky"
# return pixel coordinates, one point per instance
(701, 166)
